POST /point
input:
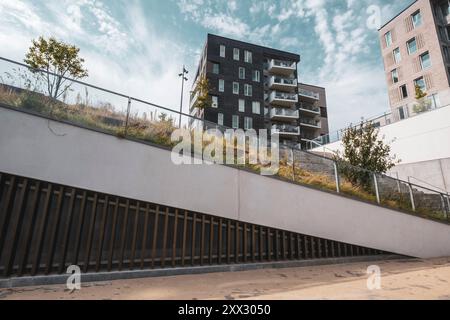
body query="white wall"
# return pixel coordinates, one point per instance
(87, 159)
(421, 138)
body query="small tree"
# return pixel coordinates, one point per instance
(59, 58)
(202, 89)
(364, 152)
(422, 104)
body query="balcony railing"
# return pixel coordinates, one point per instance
(310, 123)
(283, 98)
(280, 82)
(284, 113)
(309, 108)
(286, 130)
(309, 94)
(282, 67)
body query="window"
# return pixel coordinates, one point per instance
(242, 73)
(248, 123)
(248, 90)
(402, 113)
(388, 38)
(446, 34)
(404, 91)
(248, 56)
(397, 55)
(220, 119)
(446, 53)
(425, 60)
(256, 107)
(214, 102)
(256, 76)
(241, 105)
(421, 84)
(434, 101)
(216, 68)
(235, 88)
(412, 46)
(394, 74)
(221, 85)
(236, 54)
(417, 19)
(235, 124)
(222, 51)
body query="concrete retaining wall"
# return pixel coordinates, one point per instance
(38, 148)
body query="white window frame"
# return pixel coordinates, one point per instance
(421, 60)
(424, 89)
(221, 85)
(401, 91)
(235, 122)
(214, 102)
(418, 12)
(248, 90)
(248, 56)
(242, 75)
(256, 76)
(236, 54)
(220, 119)
(388, 39)
(222, 50)
(241, 106)
(248, 123)
(408, 48)
(256, 107)
(395, 72)
(236, 88)
(395, 56)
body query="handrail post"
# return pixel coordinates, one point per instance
(336, 175)
(443, 205)
(128, 116)
(411, 194)
(293, 164)
(377, 191)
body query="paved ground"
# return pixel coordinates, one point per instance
(400, 279)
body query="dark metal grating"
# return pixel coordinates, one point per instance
(46, 227)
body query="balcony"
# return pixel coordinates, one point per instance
(309, 109)
(308, 94)
(283, 99)
(282, 67)
(311, 123)
(286, 130)
(279, 83)
(281, 114)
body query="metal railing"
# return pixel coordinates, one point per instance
(309, 93)
(119, 114)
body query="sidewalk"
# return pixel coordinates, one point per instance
(401, 279)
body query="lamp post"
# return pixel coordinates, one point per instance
(183, 77)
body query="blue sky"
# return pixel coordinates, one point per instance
(138, 46)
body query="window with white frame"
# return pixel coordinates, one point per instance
(235, 87)
(220, 119)
(222, 51)
(397, 55)
(412, 46)
(256, 76)
(256, 107)
(248, 90)
(236, 54)
(420, 82)
(416, 19)
(235, 122)
(241, 105)
(248, 56)
(404, 91)
(388, 38)
(241, 73)
(394, 74)
(221, 85)
(425, 60)
(248, 123)
(214, 101)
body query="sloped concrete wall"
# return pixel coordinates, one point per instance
(35, 147)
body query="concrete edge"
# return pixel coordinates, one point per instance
(138, 274)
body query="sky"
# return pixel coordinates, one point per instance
(138, 47)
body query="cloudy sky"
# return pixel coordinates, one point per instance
(138, 46)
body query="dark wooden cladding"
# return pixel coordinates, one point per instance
(47, 227)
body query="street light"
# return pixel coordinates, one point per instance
(183, 77)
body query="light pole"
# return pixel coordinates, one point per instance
(183, 77)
